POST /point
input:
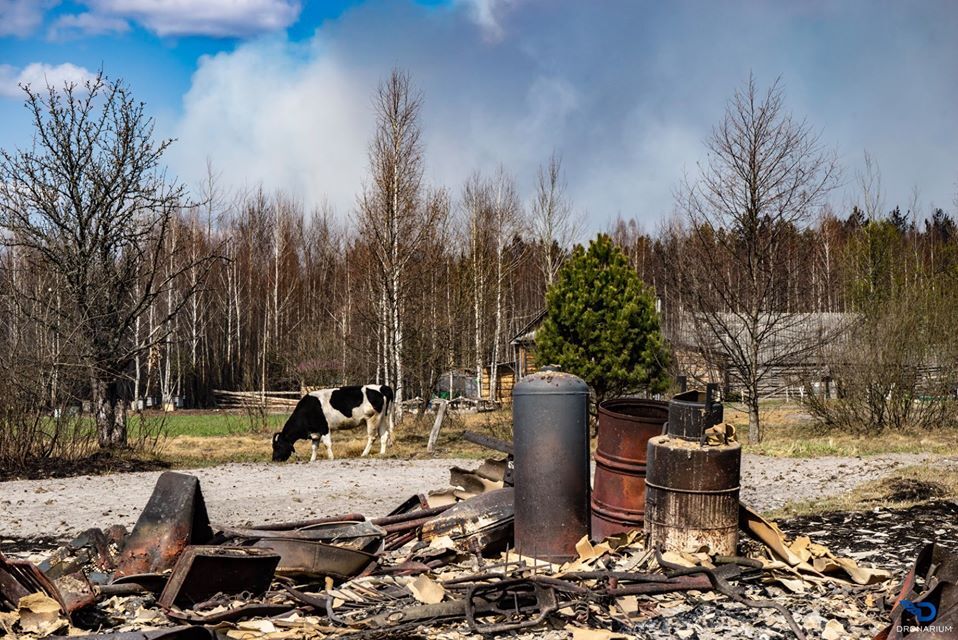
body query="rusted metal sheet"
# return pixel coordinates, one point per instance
(202, 572)
(149, 582)
(618, 491)
(550, 422)
(407, 516)
(174, 518)
(76, 591)
(937, 567)
(311, 559)
(299, 524)
(692, 495)
(477, 524)
(353, 535)
(19, 578)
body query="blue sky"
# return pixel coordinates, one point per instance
(277, 92)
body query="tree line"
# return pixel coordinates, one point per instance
(117, 283)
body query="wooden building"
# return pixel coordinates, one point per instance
(524, 362)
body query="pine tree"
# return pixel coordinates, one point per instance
(601, 323)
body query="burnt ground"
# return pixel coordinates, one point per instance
(38, 514)
(881, 537)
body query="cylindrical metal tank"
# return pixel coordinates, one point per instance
(551, 451)
(691, 500)
(692, 412)
(618, 490)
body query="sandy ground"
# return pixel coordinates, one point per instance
(252, 493)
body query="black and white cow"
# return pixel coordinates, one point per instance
(319, 412)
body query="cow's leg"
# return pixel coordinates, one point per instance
(384, 437)
(370, 435)
(314, 442)
(328, 441)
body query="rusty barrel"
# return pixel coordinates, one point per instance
(692, 495)
(618, 492)
(550, 415)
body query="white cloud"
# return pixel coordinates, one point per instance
(217, 18)
(22, 17)
(607, 85)
(261, 117)
(488, 15)
(91, 24)
(38, 75)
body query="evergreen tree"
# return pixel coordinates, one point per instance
(601, 323)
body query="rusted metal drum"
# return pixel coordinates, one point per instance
(692, 495)
(551, 449)
(618, 491)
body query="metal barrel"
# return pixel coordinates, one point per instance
(692, 412)
(618, 492)
(692, 495)
(551, 450)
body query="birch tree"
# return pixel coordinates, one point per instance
(554, 226)
(394, 211)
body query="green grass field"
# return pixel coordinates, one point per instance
(210, 424)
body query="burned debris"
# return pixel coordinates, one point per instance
(523, 545)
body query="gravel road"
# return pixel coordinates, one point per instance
(249, 493)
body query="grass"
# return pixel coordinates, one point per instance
(205, 438)
(904, 488)
(791, 433)
(199, 438)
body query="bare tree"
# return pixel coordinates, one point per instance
(553, 225)
(393, 210)
(765, 175)
(90, 202)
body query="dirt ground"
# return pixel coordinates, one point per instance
(252, 493)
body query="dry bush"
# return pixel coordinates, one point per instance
(30, 434)
(896, 370)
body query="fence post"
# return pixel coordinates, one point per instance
(434, 434)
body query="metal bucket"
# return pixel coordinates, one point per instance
(618, 493)
(692, 496)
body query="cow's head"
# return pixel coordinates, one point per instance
(282, 448)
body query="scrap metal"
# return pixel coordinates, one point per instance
(174, 518)
(204, 571)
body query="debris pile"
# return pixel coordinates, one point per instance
(505, 550)
(441, 564)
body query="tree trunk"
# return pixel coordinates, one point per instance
(754, 428)
(109, 411)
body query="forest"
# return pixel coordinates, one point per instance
(119, 284)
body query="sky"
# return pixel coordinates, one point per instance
(278, 92)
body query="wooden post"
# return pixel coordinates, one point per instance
(434, 434)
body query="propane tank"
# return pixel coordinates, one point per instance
(550, 413)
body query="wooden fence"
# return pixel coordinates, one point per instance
(268, 400)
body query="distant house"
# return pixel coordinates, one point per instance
(524, 346)
(795, 354)
(702, 359)
(456, 383)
